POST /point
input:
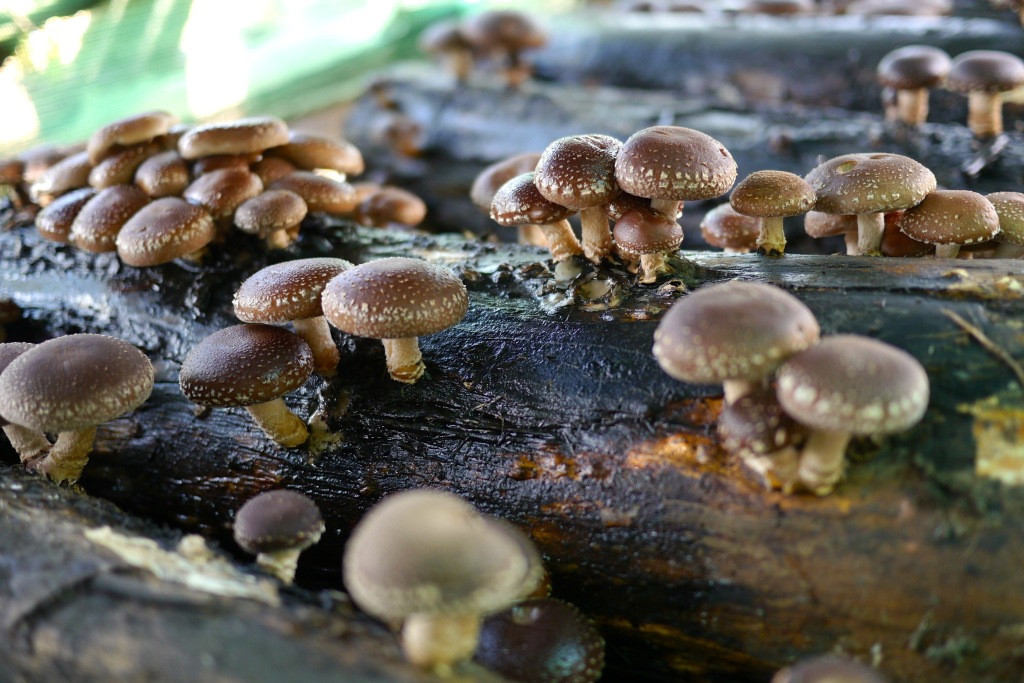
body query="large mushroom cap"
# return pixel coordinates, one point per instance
(245, 365)
(951, 217)
(670, 162)
(431, 552)
(162, 175)
(129, 131)
(395, 298)
(287, 291)
(242, 136)
(736, 330)
(8, 352)
(163, 230)
(1009, 207)
(848, 383)
(987, 70)
(579, 171)
(772, 194)
(489, 180)
(869, 183)
(818, 224)
(277, 520)
(519, 202)
(913, 66)
(74, 382)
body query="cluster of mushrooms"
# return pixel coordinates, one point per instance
(864, 8)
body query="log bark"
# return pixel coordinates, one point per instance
(547, 408)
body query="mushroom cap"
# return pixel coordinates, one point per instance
(1010, 208)
(395, 298)
(245, 365)
(951, 217)
(277, 520)
(725, 228)
(670, 162)
(222, 191)
(55, 220)
(12, 171)
(316, 151)
(646, 231)
(914, 66)
(287, 291)
(430, 552)
(848, 383)
(827, 669)
(818, 224)
(74, 382)
(129, 131)
(896, 244)
(736, 330)
(772, 194)
(242, 136)
(8, 352)
(163, 230)
(271, 168)
(70, 173)
(444, 36)
(270, 211)
(987, 70)
(487, 182)
(96, 226)
(519, 202)
(319, 192)
(503, 30)
(756, 424)
(217, 162)
(869, 183)
(542, 639)
(163, 175)
(38, 160)
(579, 171)
(118, 168)
(391, 205)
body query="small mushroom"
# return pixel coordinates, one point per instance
(984, 75)
(396, 300)
(729, 230)
(771, 196)
(650, 235)
(507, 33)
(274, 215)
(950, 219)
(391, 206)
(163, 230)
(271, 168)
(312, 152)
(911, 71)
(29, 444)
(827, 669)
(519, 202)
(222, 191)
(163, 175)
(1010, 208)
(446, 40)
(277, 526)
(489, 180)
(755, 428)
(68, 386)
(848, 385)
(291, 292)
(70, 173)
(251, 366)
(119, 167)
(128, 131)
(96, 226)
(898, 245)
(222, 162)
(10, 312)
(241, 136)
(55, 220)
(319, 192)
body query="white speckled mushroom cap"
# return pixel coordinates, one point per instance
(319, 192)
(162, 175)
(394, 298)
(222, 191)
(736, 330)
(96, 226)
(74, 382)
(277, 520)
(985, 70)
(519, 202)
(869, 183)
(430, 552)
(487, 182)
(163, 230)
(646, 231)
(756, 423)
(671, 162)
(772, 194)
(951, 217)
(118, 168)
(726, 228)
(287, 291)
(269, 211)
(913, 66)
(129, 131)
(242, 136)
(70, 173)
(315, 151)
(578, 172)
(54, 221)
(1010, 208)
(854, 384)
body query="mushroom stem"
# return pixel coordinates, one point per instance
(1009, 250)
(822, 460)
(517, 71)
(197, 256)
(771, 240)
(946, 250)
(68, 456)
(279, 423)
(317, 333)
(281, 563)
(279, 239)
(736, 389)
(531, 234)
(597, 238)
(460, 61)
(778, 470)
(405, 362)
(28, 443)
(437, 641)
(870, 227)
(985, 113)
(651, 265)
(851, 244)
(561, 240)
(912, 105)
(668, 207)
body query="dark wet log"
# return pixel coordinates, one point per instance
(547, 408)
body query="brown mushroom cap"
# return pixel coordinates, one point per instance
(1010, 208)
(818, 224)
(269, 211)
(503, 30)
(735, 330)
(217, 162)
(670, 162)
(869, 183)
(12, 171)
(163, 230)
(242, 136)
(319, 192)
(287, 291)
(222, 191)
(913, 66)
(74, 382)
(70, 173)
(444, 36)
(724, 227)
(277, 520)
(519, 202)
(96, 226)
(853, 384)
(646, 231)
(315, 151)
(163, 175)
(245, 365)
(391, 205)
(772, 194)
(395, 298)
(54, 221)
(129, 131)
(8, 352)
(756, 424)
(38, 160)
(951, 217)
(827, 669)
(579, 171)
(985, 70)
(489, 180)
(118, 168)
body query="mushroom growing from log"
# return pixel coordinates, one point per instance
(241, 136)
(755, 428)
(55, 221)
(489, 180)
(827, 669)
(447, 41)
(950, 219)
(29, 444)
(1009, 207)
(128, 131)
(984, 75)
(729, 230)
(274, 215)
(506, 33)
(771, 196)
(519, 202)
(911, 71)
(312, 152)
(277, 526)
(650, 235)
(96, 226)
(163, 230)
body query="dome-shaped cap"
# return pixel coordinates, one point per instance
(390, 205)
(163, 175)
(670, 162)
(270, 211)
(1009, 207)
(854, 384)
(725, 228)
(277, 520)
(519, 202)
(8, 352)
(163, 230)
(74, 382)
(222, 191)
(869, 183)
(394, 298)
(286, 291)
(119, 167)
(578, 172)
(442, 36)
(244, 365)
(503, 29)
(735, 330)
(819, 224)
(319, 192)
(129, 131)
(987, 70)
(96, 226)
(755, 423)
(827, 669)
(430, 552)
(913, 66)
(242, 136)
(772, 194)
(311, 152)
(951, 217)
(489, 180)
(55, 220)
(70, 173)
(646, 231)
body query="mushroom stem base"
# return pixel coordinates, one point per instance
(870, 227)
(985, 114)
(597, 238)
(735, 389)
(668, 207)
(912, 106)
(280, 239)
(561, 240)
(823, 460)
(279, 423)
(946, 250)
(437, 641)
(317, 334)
(651, 266)
(771, 240)
(28, 443)
(68, 456)
(405, 362)
(281, 564)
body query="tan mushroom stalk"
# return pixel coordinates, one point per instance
(68, 386)
(771, 196)
(735, 334)
(650, 235)
(843, 386)
(29, 444)
(251, 366)
(950, 219)
(578, 172)
(487, 182)
(1010, 208)
(96, 226)
(984, 75)
(911, 71)
(274, 215)
(291, 292)
(729, 230)
(396, 300)
(163, 230)
(427, 562)
(519, 202)
(868, 186)
(277, 526)
(755, 428)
